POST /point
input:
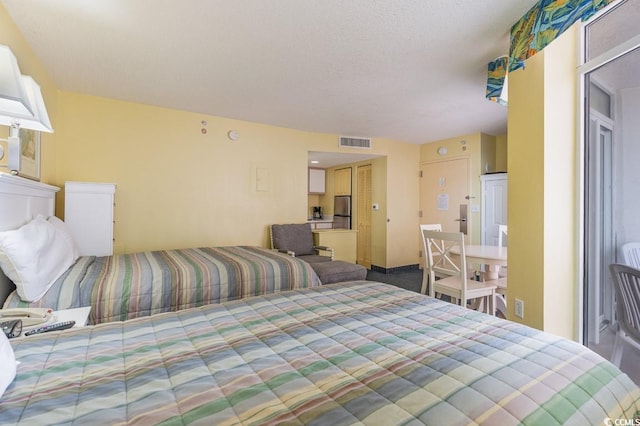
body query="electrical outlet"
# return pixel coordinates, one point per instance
(519, 308)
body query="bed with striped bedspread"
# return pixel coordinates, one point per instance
(355, 353)
(127, 286)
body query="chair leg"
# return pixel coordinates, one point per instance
(425, 280)
(492, 304)
(477, 304)
(618, 346)
(501, 306)
(487, 304)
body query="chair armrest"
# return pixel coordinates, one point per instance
(325, 248)
(289, 252)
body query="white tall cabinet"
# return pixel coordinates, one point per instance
(88, 212)
(494, 206)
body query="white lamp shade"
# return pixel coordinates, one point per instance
(14, 99)
(39, 120)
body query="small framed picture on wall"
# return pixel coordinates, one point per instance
(29, 154)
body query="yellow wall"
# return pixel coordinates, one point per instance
(178, 187)
(487, 153)
(560, 186)
(541, 193)
(501, 153)
(525, 197)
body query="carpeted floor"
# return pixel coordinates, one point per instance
(411, 280)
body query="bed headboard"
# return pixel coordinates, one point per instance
(20, 201)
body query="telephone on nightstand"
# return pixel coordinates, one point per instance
(29, 316)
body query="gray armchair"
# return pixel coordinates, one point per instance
(297, 240)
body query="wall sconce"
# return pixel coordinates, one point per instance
(21, 105)
(13, 95)
(442, 150)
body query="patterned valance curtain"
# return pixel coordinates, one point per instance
(542, 24)
(497, 80)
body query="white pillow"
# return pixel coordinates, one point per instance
(34, 256)
(8, 363)
(64, 232)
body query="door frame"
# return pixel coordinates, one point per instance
(582, 70)
(596, 272)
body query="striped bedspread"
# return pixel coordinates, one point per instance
(127, 286)
(356, 353)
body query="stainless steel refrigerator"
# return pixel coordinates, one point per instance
(342, 212)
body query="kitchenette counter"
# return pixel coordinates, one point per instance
(343, 242)
(336, 231)
(320, 223)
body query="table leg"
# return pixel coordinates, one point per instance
(492, 272)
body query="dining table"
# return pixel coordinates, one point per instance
(494, 257)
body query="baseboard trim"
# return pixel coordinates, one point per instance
(397, 269)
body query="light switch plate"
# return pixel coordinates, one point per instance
(519, 308)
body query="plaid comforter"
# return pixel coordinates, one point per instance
(127, 286)
(356, 353)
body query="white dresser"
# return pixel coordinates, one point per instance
(88, 212)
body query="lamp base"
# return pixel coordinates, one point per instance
(13, 148)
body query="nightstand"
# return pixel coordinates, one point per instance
(79, 315)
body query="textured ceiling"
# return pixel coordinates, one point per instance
(410, 70)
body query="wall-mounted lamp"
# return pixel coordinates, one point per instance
(442, 150)
(13, 95)
(21, 105)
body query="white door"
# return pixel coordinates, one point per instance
(494, 206)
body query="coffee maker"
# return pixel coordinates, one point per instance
(317, 212)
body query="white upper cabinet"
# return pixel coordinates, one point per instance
(316, 181)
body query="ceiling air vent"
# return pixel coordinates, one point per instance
(346, 141)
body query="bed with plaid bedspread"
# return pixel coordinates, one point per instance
(127, 286)
(355, 353)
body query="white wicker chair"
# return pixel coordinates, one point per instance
(454, 282)
(626, 282)
(425, 276)
(631, 254)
